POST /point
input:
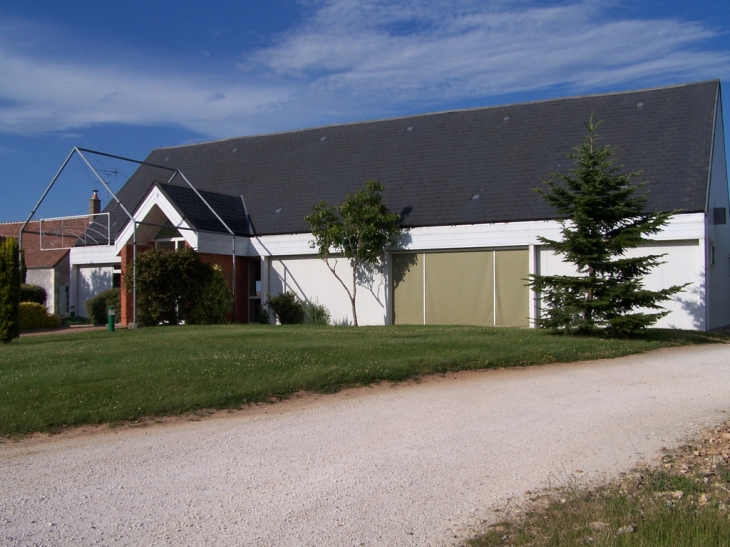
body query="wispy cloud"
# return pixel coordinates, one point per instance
(354, 49)
(354, 59)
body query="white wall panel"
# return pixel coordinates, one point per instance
(100, 254)
(311, 280)
(718, 274)
(43, 277)
(683, 263)
(90, 281)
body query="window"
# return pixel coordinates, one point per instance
(169, 238)
(171, 244)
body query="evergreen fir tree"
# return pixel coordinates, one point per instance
(601, 217)
(9, 290)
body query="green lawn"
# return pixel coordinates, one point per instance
(48, 382)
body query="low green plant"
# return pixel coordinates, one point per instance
(287, 307)
(97, 308)
(35, 316)
(33, 293)
(316, 313)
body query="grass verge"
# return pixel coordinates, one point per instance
(682, 502)
(51, 382)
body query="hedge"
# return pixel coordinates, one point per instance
(97, 308)
(35, 316)
(33, 293)
(9, 289)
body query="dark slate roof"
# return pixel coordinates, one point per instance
(197, 213)
(433, 165)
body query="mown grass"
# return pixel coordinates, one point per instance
(60, 380)
(683, 505)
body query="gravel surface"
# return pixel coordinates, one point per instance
(415, 464)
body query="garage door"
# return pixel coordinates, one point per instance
(461, 288)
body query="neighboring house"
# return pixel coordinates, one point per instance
(463, 182)
(47, 265)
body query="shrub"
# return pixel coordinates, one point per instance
(32, 315)
(287, 307)
(33, 293)
(97, 308)
(9, 290)
(213, 299)
(316, 314)
(178, 286)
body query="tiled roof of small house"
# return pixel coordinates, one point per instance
(461, 167)
(35, 257)
(195, 211)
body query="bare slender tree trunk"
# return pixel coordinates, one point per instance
(354, 292)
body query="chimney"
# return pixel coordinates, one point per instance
(95, 204)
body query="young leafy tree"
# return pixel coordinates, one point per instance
(360, 229)
(601, 217)
(10, 277)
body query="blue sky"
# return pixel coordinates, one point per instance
(127, 77)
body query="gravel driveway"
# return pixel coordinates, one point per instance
(416, 464)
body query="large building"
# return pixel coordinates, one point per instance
(463, 182)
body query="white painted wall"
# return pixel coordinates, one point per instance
(311, 280)
(718, 274)
(683, 263)
(43, 277)
(90, 281)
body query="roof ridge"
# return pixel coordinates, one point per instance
(427, 114)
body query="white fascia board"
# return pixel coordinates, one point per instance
(521, 234)
(155, 197)
(222, 244)
(473, 236)
(282, 245)
(683, 226)
(100, 254)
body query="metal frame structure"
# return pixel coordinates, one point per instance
(84, 234)
(135, 223)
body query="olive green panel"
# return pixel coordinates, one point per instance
(408, 289)
(459, 288)
(512, 294)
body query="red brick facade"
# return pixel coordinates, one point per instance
(127, 255)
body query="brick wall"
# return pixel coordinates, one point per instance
(127, 255)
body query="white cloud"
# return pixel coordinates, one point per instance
(480, 52)
(353, 59)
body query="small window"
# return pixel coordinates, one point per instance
(719, 215)
(176, 244)
(712, 254)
